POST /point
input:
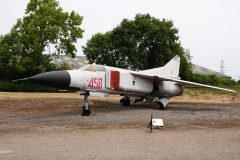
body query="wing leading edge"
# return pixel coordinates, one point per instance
(180, 82)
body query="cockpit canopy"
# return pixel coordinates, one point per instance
(93, 68)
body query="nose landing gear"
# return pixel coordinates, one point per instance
(86, 108)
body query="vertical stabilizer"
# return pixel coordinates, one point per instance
(171, 69)
(173, 66)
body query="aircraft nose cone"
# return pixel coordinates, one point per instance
(57, 79)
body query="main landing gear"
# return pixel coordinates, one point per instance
(86, 109)
(162, 107)
(163, 103)
(125, 101)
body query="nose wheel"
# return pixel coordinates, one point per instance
(86, 108)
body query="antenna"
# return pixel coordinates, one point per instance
(222, 67)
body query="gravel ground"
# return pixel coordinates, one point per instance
(50, 128)
(128, 143)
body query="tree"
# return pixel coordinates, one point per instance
(44, 25)
(142, 43)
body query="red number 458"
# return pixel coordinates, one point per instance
(95, 83)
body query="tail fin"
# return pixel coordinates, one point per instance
(170, 69)
(173, 66)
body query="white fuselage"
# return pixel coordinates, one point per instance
(96, 81)
(128, 84)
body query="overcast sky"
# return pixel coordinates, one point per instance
(210, 29)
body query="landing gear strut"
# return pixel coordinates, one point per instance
(86, 109)
(125, 101)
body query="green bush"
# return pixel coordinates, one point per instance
(64, 66)
(213, 80)
(7, 86)
(237, 88)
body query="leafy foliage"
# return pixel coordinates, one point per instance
(64, 66)
(45, 24)
(142, 43)
(6, 86)
(213, 80)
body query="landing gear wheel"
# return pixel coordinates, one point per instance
(162, 107)
(125, 101)
(85, 112)
(86, 109)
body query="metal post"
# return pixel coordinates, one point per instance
(150, 124)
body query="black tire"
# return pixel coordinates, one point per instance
(125, 101)
(121, 101)
(85, 112)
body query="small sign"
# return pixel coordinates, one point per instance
(157, 122)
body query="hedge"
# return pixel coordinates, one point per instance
(7, 86)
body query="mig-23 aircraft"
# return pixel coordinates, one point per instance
(154, 85)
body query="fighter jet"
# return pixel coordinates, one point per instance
(153, 85)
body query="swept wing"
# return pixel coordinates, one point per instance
(179, 81)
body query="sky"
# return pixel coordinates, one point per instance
(210, 29)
